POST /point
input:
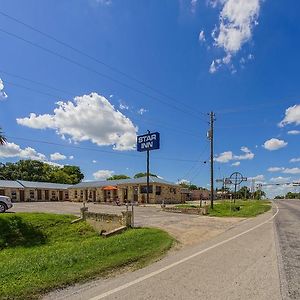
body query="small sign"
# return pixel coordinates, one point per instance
(149, 141)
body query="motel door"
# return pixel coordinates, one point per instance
(39, 195)
(2, 193)
(61, 195)
(135, 193)
(22, 196)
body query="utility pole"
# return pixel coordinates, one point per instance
(211, 138)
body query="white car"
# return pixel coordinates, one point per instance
(5, 204)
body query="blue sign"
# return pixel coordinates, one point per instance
(149, 141)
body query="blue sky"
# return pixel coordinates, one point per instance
(157, 65)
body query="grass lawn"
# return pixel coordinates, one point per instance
(40, 252)
(248, 208)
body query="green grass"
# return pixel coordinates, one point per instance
(40, 252)
(248, 208)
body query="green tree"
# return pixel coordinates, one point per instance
(118, 177)
(34, 170)
(2, 137)
(139, 175)
(74, 173)
(258, 195)
(243, 193)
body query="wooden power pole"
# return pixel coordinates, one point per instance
(211, 138)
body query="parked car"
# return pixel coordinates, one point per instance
(5, 204)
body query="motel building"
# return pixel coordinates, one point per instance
(109, 191)
(20, 191)
(126, 190)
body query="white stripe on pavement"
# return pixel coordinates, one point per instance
(143, 278)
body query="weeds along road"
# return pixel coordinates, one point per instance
(241, 263)
(287, 227)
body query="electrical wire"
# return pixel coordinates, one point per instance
(94, 59)
(82, 66)
(99, 150)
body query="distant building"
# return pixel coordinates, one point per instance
(202, 194)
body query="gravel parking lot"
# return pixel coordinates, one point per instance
(187, 229)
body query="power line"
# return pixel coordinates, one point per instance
(96, 72)
(171, 127)
(98, 150)
(94, 59)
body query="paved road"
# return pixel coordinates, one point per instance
(241, 263)
(287, 226)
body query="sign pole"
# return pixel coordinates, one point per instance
(148, 162)
(148, 173)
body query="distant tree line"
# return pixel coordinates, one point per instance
(34, 170)
(289, 195)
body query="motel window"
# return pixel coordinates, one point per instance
(53, 194)
(173, 190)
(31, 194)
(13, 195)
(158, 190)
(143, 189)
(76, 193)
(90, 195)
(81, 193)
(66, 195)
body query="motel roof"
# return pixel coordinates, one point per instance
(44, 185)
(10, 184)
(141, 180)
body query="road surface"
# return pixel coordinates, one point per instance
(287, 228)
(241, 263)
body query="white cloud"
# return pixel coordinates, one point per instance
(228, 156)
(258, 178)
(275, 169)
(89, 117)
(3, 95)
(294, 132)
(274, 144)
(57, 156)
(141, 111)
(202, 36)
(292, 115)
(193, 5)
(213, 67)
(224, 157)
(237, 20)
(103, 174)
(104, 2)
(12, 150)
(9, 150)
(94, 161)
(123, 106)
(291, 171)
(295, 160)
(236, 164)
(184, 181)
(71, 157)
(280, 179)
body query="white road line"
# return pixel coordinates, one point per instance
(143, 278)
